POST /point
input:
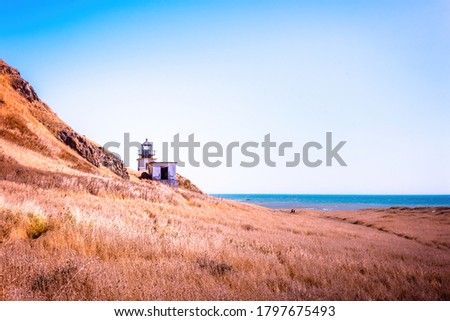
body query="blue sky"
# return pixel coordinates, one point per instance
(376, 74)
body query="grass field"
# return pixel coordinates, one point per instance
(79, 240)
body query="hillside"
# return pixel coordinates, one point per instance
(75, 225)
(28, 122)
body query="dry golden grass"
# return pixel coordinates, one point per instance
(72, 241)
(429, 226)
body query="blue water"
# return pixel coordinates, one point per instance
(338, 202)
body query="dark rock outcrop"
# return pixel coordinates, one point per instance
(186, 184)
(93, 153)
(18, 83)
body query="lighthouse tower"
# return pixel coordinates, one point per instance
(145, 155)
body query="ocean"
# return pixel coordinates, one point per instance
(338, 202)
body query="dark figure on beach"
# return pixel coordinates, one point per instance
(293, 211)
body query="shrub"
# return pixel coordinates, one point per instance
(36, 226)
(215, 268)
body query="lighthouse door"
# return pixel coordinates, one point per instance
(164, 173)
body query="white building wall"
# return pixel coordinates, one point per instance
(172, 171)
(142, 164)
(156, 172)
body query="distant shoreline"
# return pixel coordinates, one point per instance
(375, 209)
(333, 202)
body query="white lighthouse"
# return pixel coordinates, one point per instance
(164, 172)
(145, 155)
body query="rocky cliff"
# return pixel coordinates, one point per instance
(21, 106)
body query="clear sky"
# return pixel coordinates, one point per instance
(375, 73)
